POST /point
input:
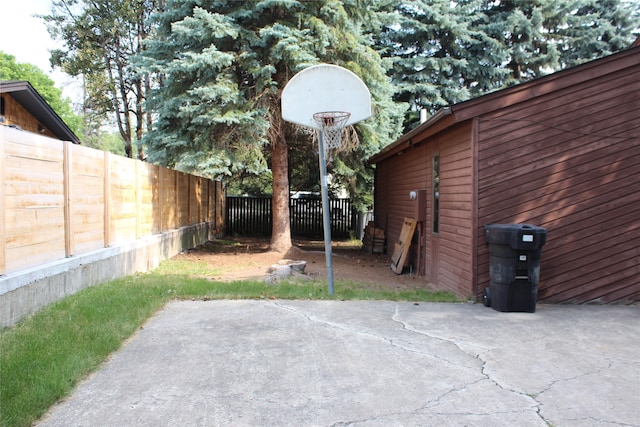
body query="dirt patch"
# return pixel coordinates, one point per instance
(250, 258)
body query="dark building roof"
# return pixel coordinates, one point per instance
(35, 104)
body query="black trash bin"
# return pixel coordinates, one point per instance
(514, 266)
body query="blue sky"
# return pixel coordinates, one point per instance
(25, 37)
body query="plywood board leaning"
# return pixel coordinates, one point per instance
(401, 247)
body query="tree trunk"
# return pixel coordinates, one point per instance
(281, 228)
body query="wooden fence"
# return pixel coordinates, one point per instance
(251, 216)
(60, 199)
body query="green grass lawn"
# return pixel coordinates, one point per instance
(44, 356)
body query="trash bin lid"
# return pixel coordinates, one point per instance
(518, 236)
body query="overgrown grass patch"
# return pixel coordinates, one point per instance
(359, 291)
(43, 357)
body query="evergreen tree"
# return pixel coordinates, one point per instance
(589, 29)
(538, 37)
(520, 29)
(445, 52)
(221, 67)
(427, 41)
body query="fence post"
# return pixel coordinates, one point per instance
(161, 191)
(138, 196)
(3, 240)
(107, 199)
(219, 207)
(67, 173)
(210, 189)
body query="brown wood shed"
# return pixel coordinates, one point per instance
(560, 152)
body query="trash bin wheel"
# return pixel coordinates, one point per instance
(486, 297)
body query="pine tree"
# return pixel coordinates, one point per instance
(445, 52)
(427, 39)
(537, 37)
(589, 29)
(221, 67)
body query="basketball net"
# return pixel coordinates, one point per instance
(331, 125)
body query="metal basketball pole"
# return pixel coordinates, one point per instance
(326, 219)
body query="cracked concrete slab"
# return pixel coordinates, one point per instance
(367, 363)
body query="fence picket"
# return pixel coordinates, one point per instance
(251, 216)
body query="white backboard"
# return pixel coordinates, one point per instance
(323, 88)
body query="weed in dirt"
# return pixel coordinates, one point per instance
(233, 246)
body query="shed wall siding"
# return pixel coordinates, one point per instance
(455, 236)
(446, 256)
(395, 178)
(570, 162)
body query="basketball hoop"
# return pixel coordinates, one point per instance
(334, 90)
(331, 123)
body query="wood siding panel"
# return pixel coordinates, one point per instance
(16, 114)
(182, 199)
(33, 188)
(195, 199)
(570, 162)
(168, 199)
(553, 110)
(447, 256)
(60, 199)
(455, 266)
(395, 179)
(220, 208)
(149, 215)
(124, 200)
(86, 198)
